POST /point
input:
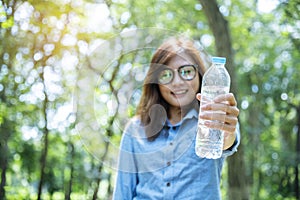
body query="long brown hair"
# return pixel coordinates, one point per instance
(151, 95)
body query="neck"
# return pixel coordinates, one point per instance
(175, 114)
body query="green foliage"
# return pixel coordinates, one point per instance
(45, 60)
(8, 23)
(267, 70)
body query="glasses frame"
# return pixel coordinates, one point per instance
(178, 71)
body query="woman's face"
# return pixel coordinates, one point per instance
(179, 92)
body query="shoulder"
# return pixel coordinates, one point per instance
(134, 128)
(132, 124)
(133, 134)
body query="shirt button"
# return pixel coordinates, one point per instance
(168, 184)
(171, 143)
(169, 163)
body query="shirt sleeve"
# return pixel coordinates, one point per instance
(231, 150)
(126, 179)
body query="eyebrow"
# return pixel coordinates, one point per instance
(180, 66)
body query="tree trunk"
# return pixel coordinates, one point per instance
(43, 164)
(43, 159)
(297, 186)
(109, 133)
(6, 132)
(98, 179)
(69, 186)
(237, 186)
(3, 170)
(220, 30)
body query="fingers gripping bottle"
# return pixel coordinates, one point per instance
(216, 81)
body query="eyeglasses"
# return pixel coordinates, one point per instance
(186, 73)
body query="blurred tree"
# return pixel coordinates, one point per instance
(7, 97)
(44, 47)
(266, 73)
(237, 184)
(34, 41)
(292, 13)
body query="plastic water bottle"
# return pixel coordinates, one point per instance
(216, 81)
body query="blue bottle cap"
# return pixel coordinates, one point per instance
(220, 60)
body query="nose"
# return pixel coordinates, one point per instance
(176, 80)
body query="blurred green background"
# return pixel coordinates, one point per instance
(71, 73)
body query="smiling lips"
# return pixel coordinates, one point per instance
(179, 92)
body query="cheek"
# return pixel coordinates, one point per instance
(195, 84)
(163, 90)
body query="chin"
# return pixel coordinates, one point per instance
(189, 105)
(182, 104)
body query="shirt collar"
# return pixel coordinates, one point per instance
(191, 114)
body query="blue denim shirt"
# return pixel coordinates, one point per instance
(168, 167)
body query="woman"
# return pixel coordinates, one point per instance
(157, 154)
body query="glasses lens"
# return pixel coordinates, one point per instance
(165, 76)
(187, 72)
